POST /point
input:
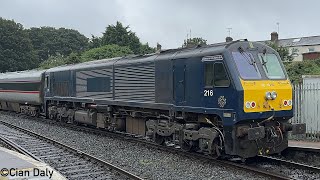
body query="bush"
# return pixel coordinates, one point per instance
(295, 70)
(53, 61)
(107, 51)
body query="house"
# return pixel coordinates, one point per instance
(301, 48)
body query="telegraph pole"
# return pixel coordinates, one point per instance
(229, 31)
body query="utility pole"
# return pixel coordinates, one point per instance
(229, 31)
(278, 26)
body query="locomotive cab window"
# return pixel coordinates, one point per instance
(216, 75)
(220, 76)
(208, 69)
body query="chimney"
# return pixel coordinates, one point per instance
(158, 47)
(274, 37)
(229, 39)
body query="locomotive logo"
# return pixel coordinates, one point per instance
(222, 101)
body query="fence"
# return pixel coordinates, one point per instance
(306, 106)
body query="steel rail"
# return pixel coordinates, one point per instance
(304, 149)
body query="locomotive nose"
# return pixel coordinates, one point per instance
(262, 96)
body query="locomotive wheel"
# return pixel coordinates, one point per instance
(168, 141)
(51, 116)
(59, 118)
(159, 139)
(187, 145)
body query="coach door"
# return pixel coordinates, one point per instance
(179, 81)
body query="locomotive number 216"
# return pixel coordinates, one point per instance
(208, 92)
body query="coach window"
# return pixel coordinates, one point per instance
(220, 76)
(208, 69)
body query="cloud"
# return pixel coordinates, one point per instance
(168, 22)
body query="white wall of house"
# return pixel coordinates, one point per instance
(297, 51)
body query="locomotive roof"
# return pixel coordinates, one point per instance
(163, 55)
(21, 74)
(180, 52)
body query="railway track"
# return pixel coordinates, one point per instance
(247, 167)
(70, 162)
(295, 165)
(128, 137)
(302, 155)
(304, 149)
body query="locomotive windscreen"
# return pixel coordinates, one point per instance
(271, 66)
(246, 66)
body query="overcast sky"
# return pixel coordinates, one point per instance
(168, 22)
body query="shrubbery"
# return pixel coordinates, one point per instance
(295, 70)
(107, 51)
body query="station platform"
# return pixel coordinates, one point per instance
(304, 144)
(14, 165)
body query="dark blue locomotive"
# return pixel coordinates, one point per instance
(204, 98)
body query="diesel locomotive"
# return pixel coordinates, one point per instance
(231, 98)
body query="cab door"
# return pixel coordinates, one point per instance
(216, 88)
(179, 81)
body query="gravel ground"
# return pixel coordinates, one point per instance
(140, 160)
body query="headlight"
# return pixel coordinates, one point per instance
(274, 95)
(268, 96)
(248, 105)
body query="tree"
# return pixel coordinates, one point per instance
(283, 51)
(94, 42)
(191, 42)
(49, 41)
(146, 49)
(107, 51)
(53, 61)
(122, 36)
(16, 51)
(73, 58)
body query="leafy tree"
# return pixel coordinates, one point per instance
(146, 49)
(283, 52)
(191, 42)
(73, 58)
(53, 61)
(122, 36)
(16, 51)
(95, 42)
(107, 51)
(49, 41)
